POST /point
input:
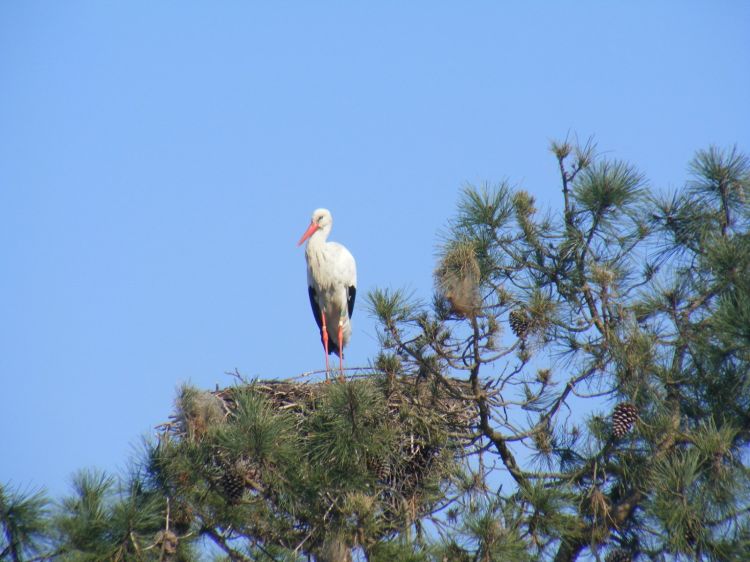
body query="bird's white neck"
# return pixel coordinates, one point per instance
(317, 241)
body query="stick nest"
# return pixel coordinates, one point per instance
(381, 449)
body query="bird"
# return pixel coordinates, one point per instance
(331, 285)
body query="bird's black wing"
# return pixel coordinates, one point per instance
(350, 296)
(315, 307)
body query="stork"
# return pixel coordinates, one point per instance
(331, 285)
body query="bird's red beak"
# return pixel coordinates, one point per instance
(309, 232)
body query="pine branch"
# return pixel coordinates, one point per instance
(221, 542)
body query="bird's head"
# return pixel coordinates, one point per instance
(321, 220)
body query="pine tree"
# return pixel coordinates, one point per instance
(642, 301)
(116, 519)
(289, 468)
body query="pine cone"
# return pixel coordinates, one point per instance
(618, 555)
(233, 485)
(231, 480)
(380, 467)
(623, 417)
(519, 323)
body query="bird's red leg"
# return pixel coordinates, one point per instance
(341, 352)
(324, 335)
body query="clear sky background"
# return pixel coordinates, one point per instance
(160, 160)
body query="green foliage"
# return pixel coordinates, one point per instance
(306, 468)
(106, 519)
(391, 306)
(608, 187)
(24, 524)
(260, 431)
(721, 182)
(349, 426)
(385, 551)
(102, 519)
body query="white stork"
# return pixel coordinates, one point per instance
(331, 285)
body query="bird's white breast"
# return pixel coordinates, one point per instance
(330, 266)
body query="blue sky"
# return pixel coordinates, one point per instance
(159, 161)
